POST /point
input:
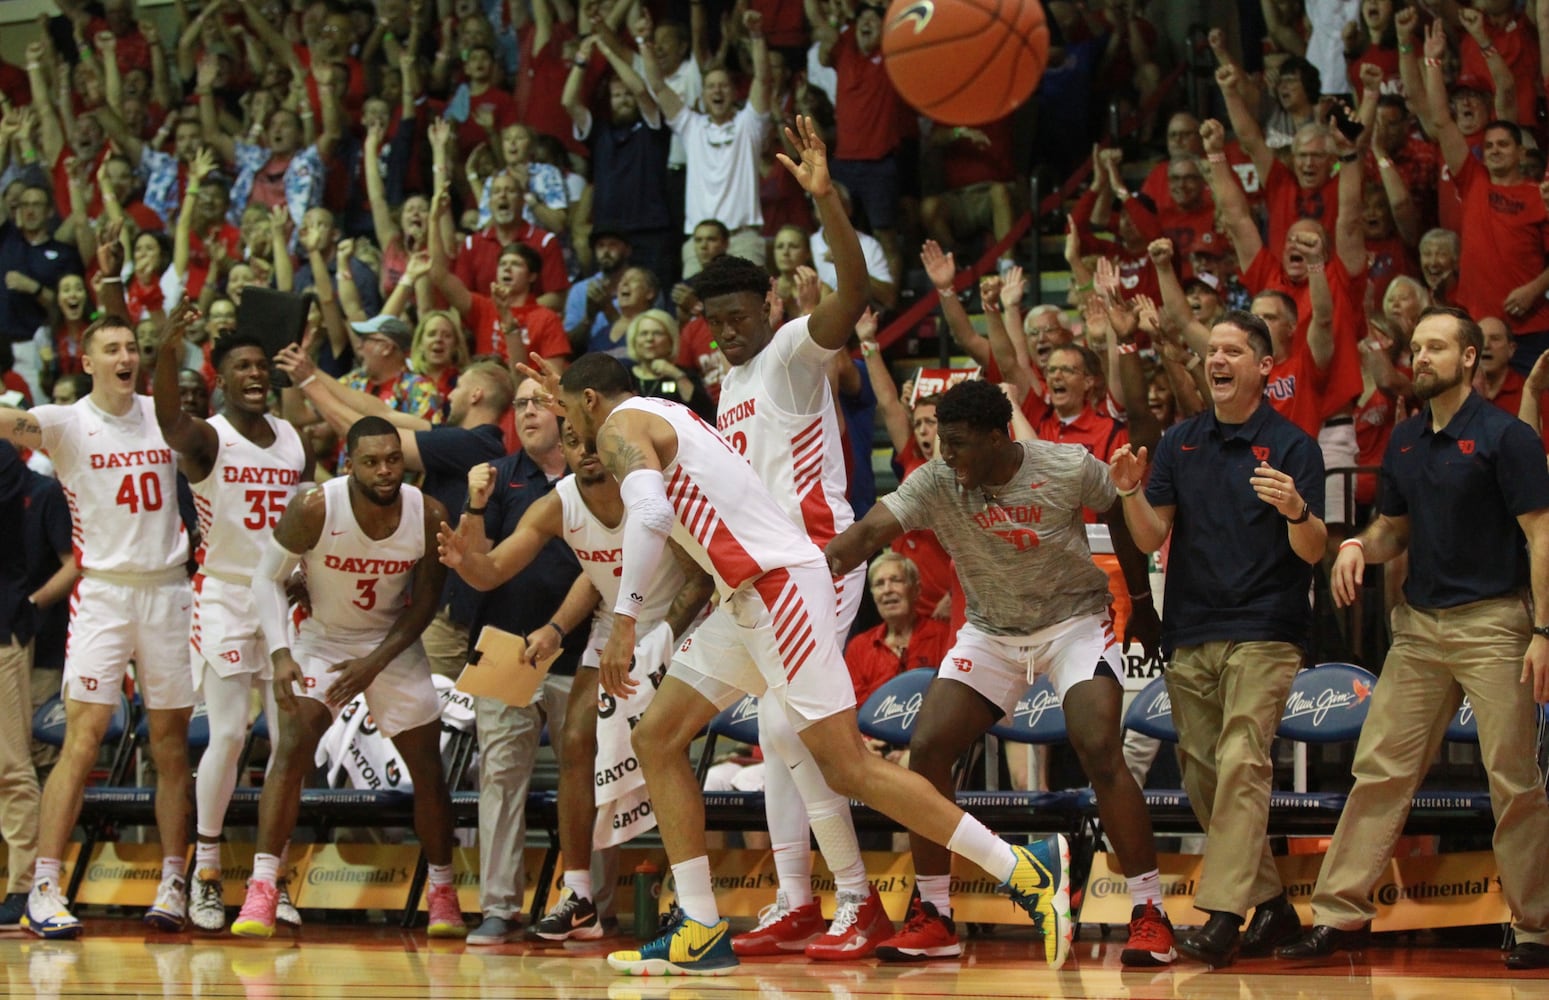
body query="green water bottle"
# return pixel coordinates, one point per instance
(648, 888)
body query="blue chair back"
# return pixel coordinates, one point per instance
(1151, 713)
(738, 721)
(1037, 717)
(1327, 704)
(889, 713)
(48, 722)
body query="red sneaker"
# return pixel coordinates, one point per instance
(860, 924)
(257, 916)
(781, 930)
(1150, 938)
(446, 913)
(926, 934)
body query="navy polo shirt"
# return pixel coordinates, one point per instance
(1232, 574)
(1462, 488)
(529, 599)
(629, 171)
(447, 453)
(46, 263)
(32, 509)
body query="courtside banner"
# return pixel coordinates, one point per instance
(1447, 890)
(117, 874)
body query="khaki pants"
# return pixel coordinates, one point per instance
(446, 645)
(1227, 698)
(1436, 658)
(18, 778)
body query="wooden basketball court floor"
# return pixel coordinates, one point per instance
(118, 959)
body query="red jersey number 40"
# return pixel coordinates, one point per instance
(142, 492)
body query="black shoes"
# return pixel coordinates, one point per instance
(1525, 955)
(1216, 944)
(1323, 941)
(1274, 923)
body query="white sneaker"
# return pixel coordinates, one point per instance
(206, 904)
(284, 910)
(171, 906)
(48, 913)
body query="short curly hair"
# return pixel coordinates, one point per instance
(976, 404)
(728, 275)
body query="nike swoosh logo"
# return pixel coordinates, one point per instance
(695, 954)
(1034, 486)
(93, 433)
(344, 532)
(1191, 447)
(1406, 447)
(574, 530)
(577, 919)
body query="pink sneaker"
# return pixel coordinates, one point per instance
(257, 916)
(446, 913)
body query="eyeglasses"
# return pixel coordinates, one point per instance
(523, 402)
(1064, 370)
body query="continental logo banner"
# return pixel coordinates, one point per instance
(1448, 890)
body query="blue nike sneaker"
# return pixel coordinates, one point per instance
(684, 948)
(48, 913)
(1040, 885)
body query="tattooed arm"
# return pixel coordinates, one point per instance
(693, 597)
(20, 428)
(626, 448)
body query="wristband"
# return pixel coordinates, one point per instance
(308, 381)
(1487, 48)
(1404, 48)
(578, 63)
(1142, 596)
(1349, 157)
(868, 348)
(1129, 492)
(113, 281)
(1433, 62)
(1353, 541)
(1216, 157)
(1192, 363)
(1383, 163)
(555, 627)
(1129, 347)
(1303, 516)
(479, 512)
(1314, 268)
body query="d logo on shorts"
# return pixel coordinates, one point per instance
(963, 664)
(89, 683)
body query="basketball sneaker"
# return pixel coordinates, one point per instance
(206, 907)
(446, 913)
(257, 916)
(782, 929)
(1150, 938)
(170, 909)
(684, 948)
(927, 934)
(574, 918)
(860, 924)
(48, 913)
(1040, 885)
(284, 910)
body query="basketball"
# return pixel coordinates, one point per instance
(965, 62)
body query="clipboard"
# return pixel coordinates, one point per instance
(497, 668)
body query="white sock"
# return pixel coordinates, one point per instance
(979, 844)
(579, 882)
(793, 867)
(174, 866)
(696, 895)
(937, 891)
(439, 874)
(1146, 888)
(46, 870)
(207, 856)
(266, 868)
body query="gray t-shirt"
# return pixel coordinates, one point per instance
(1023, 556)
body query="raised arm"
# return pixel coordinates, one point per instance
(51, 132)
(823, 31)
(193, 439)
(671, 103)
(1148, 525)
(1454, 147)
(1231, 202)
(441, 276)
(463, 550)
(1013, 363)
(1320, 332)
(941, 268)
(834, 318)
(1349, 229)
(209, 120)
(895, 416)
(1175, 305)
(758, 93)
(1473, 22)
(1229, 78)
(1284, 34)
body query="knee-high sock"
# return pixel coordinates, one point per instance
(227, 698)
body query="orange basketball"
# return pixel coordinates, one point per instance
(965, 62)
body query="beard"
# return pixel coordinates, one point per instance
(369, 494)
(1436, 384)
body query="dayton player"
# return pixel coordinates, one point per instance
(243, 467)
(585, 511)
(776, 615)
(131, 604)
(777, 409)
(367, 544)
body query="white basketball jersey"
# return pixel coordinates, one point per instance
(726, 518)
(600, 550)
(778, 411)
(120, 480)
(242, 498)
(360, 585)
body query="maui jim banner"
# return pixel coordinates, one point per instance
(1449, 890)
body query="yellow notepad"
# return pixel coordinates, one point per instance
(498, 668)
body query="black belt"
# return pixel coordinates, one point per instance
(1338, 421)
